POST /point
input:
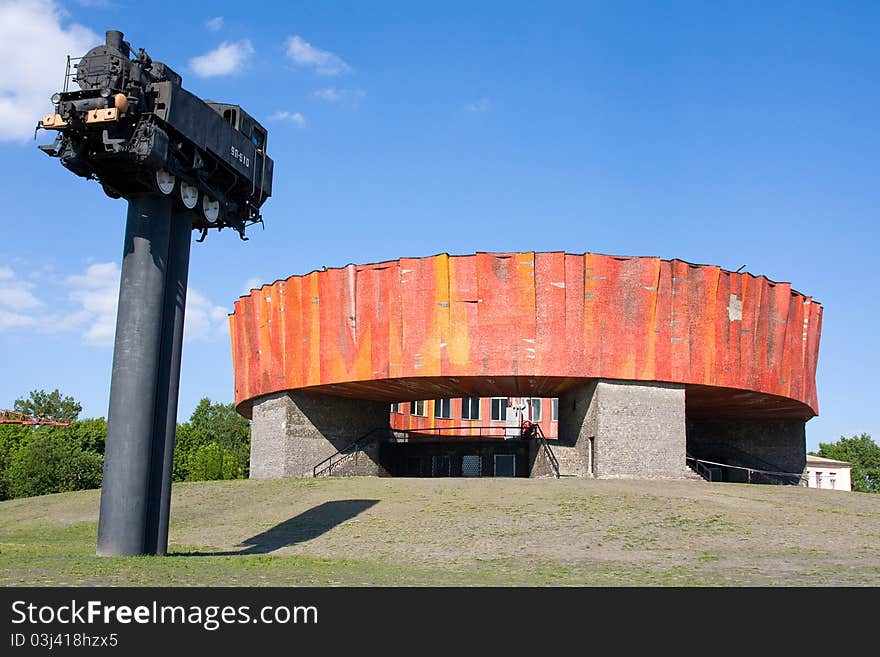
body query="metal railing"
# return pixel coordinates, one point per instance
(497, 431)
(548, 453)
(327, 465)
(786, 478)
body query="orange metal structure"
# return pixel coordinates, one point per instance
(16, 417)
(531, 324)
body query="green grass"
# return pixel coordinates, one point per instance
(462, 532)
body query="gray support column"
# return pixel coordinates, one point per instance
(162, 459)
(293, 432)
(136, 355)
(625, 429)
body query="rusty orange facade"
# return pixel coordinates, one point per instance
(497, 324)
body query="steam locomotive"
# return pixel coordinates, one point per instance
(135, 129)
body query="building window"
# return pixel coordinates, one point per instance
(417, 408)
(499, 408)
(443, 408)
(395, 407)
(470, 408)
(832, 479)
(818, 480)
(554, 410)
(535, 409)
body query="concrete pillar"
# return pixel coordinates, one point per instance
(624, 429)
(293, 432)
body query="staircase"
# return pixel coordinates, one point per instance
(337, 461)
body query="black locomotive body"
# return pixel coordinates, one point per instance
(134, 128)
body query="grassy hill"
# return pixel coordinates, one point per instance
(370, 531)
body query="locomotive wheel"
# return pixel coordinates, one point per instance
(189, 195)
(165, 182)
(211, 209)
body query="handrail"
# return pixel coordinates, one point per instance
(772, 473)
(735, 454)
(345, 451)
(702, 470)
(548, 453)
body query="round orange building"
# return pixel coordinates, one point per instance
(651, 360)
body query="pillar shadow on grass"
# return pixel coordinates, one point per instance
(299, 529)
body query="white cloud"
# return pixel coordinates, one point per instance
(482, 105)
(296, 117)
(334, 95)
(15, 294)
(34, 44)
(90, 308)
(225, 59)
(323, 61)
(215, 24)
(204, 320)
(96, 293)
(17, 302)
(253, 283)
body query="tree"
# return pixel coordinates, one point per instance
(863, 453)
(215, 433)
(48, 462)
(50, 405)
(11, 436)
(212, 461)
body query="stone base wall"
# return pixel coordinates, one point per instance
(622, 429)
(291, 433)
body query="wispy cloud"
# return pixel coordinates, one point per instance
(214, 24)
(481, 105)
(17, 301)
(95, 294)
(335, 95)
(324, 62)
(226, 59)
(253, 283)
(284, 115)
(34, 37)
(86, 303)
(204, 319)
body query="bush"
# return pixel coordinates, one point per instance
(212, 461)
(215, 433)
(49, 463)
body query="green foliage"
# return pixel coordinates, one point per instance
(212, 461)
(863, 453)
(48, 462)
(50, 405)
(11, 436)
(213, 444)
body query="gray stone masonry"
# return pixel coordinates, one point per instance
(623, 429)
(293, 432)
(776, 445)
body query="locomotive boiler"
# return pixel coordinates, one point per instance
(135, 129)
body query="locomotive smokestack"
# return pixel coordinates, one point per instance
(115, 40)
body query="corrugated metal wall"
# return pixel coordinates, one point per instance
(523, 323)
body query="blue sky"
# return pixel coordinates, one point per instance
(729, 133)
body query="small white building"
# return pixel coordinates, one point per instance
(827, 473)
